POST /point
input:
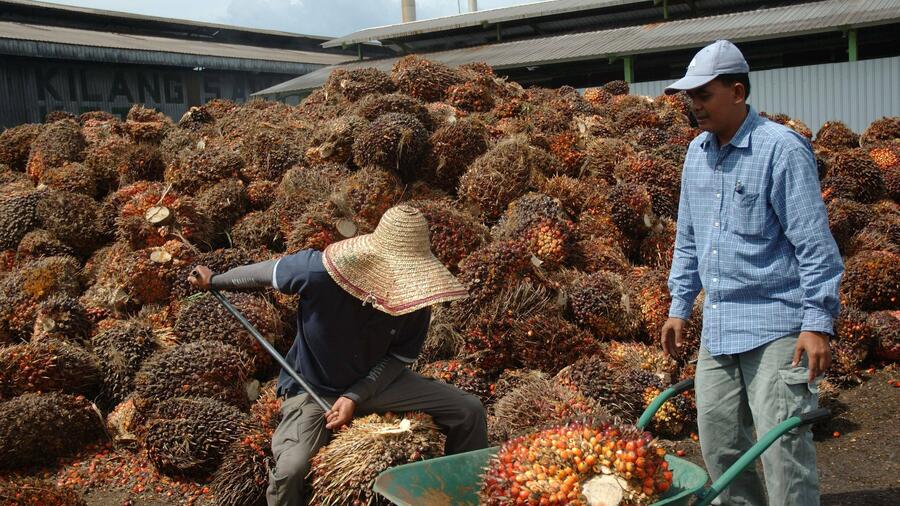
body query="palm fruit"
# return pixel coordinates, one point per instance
(596, 222)
(56, 144)
(34, 281)
(189, 436)
(547, 342)
(195, 169)
(204, 318)
(886, 325)
(586, 461)
(71, 218)
(11, 180)
(661, 179)
(600, 302)
(58, 115)
(395, 142)
(38, 428)
(617, 87)
(887, 158)
(269, 152)
(18, 215)
(302, 187)
(640, 357)
(853, 344)
(353, 84)
(573, 194)
(640, 115)
(223, 203)
(15, 145)
(567, 147)
(491, 325)
(471, 97)
(261, 194)
(122, 346)
(465, 376)
(266, 410)
(651, 294)
(242, 477)
(600, 254)
(535, 402)
(503, 174)
(526, 210)
(373, 106)
(650, 138)
(592, 376)
(34, 491)
(344, 471)
(872, 280)
(317, 228)
(601, 157)
(880, 131)
(442, 114)
(423, 79)
(73, 177)
(837, 136)
(852, 174)
(332, 142)
(845, 218)
(453, 148)
(47, 365)
(366, 195)
(147, 125)
(491, 268)
(107, 159)
(658, 248)
(257, 229)
(675, 415)
(151, 216)
(597, 96)
(631, 208)
(61, 317)
(454, 234)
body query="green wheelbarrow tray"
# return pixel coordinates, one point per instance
(456, 479)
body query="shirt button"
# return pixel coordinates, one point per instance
(393, 332)
(718, 195)
(717, 223)
(715, 280)
(715, 306)
(715, 251)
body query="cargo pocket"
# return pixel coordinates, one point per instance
(797, 395)
(748, 215)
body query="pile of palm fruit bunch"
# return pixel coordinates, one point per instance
(556, 208)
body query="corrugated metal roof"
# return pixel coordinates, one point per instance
(469, 19)
(817, 17)
(89, 38)
(138, 17)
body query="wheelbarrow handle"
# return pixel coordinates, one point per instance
(661, 399)
(270, 349)
(757, 449)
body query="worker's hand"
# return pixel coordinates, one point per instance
(200, 277)
(671, 336)
(341, 413)
(818, 352)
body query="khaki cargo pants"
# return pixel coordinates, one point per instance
(760, 389)
(302, 429)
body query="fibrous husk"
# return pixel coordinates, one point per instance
(147, 125)
(73, 177)
(343, 471)
(395, 142)
(853, 174)
(366, 195)
(453, 148)
(872, 280)
(196, 118)
(257, 229)
(353, 84)
(573, 194)
(47, 365)
(15, 145)
(423, 79)
(61, 317)
(658, 248)
(601, 157)
(122, 346)
(223, 203)
(201, 167)
(189, 436)
(269, 152)
(204, 318)
(57, 143)
(301, 188)
(601, 302)
(600, 254)
(38, 428)
(454, 234)
(18, 216)
(199, 369)
(71, 218)
(261, 194)
(332, 142)
(242, 477)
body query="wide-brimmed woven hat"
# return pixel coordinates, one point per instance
(393, 268)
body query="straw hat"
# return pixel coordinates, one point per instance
(393, 267)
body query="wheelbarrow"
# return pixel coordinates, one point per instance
(456, 479)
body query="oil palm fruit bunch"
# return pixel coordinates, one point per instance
(122, 346)
(872, 280)
(587, 461)
(47, 365)
(881, 131)
(886, 325)
(460, 374)
(853, 344)
(836, 135)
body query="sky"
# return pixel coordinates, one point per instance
(312, 17)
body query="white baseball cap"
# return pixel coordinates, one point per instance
(720, 57)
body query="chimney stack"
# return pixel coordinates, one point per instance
(473, 5)
(408, 10)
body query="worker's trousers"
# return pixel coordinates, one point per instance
(758, 388)
(302, 429)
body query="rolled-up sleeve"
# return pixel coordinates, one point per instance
(797, 201)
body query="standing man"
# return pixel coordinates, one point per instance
(363, 315)
(753, 233)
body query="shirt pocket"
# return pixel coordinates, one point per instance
(748, 214)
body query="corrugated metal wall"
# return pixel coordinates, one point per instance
(856, 93)
(30, 88)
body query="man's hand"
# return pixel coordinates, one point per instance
(200, 277)
(671, 336)
(818, 353)
(341, 413)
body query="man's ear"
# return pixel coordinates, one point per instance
(740, 91)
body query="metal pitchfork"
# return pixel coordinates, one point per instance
(270, 349)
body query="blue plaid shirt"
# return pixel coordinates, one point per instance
(753, 233)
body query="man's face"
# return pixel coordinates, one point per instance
(716, 104)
